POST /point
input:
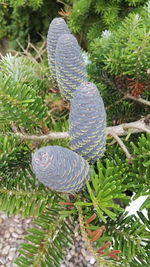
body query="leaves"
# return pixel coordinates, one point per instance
(20, 104)
(20, 192)
(131, 236)
(106, 186)
(13, 156)
(122, 51)
(140, 168)
(47, 240)
(21, 69)
(126, 50)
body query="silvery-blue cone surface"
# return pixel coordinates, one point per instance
(57, 27)
(87, 123)
(60, 169)
(70, 65)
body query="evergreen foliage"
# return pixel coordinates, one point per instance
(26, 115)
(109, 181)
(120, 63)
(20, 104)
(11, 149)
(131, 236)
(46, 241)
(90, 18)
(125, 51)
(141, 167)
(20, 18)
(21, 69)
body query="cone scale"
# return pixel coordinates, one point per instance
(60, 169)
(87, 123)
(57, 27)
(70, 66)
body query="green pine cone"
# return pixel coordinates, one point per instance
(57, 27)
(87, 123)
(70, 66)
(60, 169)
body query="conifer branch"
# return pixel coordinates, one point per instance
(137, 99)
(100, 260)
(119, 130)
(136, 127)
(21, 193)
(50, 136)
(122, 145)
(51, 235)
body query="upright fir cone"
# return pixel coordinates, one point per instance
(60, 169)
(70, 66)
(57, 27)
(87, 123)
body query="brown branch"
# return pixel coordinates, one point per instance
(101, 261)
(50, 136)
(119, 130)
(140, 128)
(122, 129)
(122, 145)
(137, 99)
(14, 127)
(135, 127)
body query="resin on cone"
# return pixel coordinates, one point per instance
(60, 169)
(87, 123)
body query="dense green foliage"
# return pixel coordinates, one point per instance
(50, 225)
(29, 105)
(20, 19)
(110, 179)
(120, 63)
(90, 18)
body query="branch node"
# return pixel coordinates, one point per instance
(122, 145)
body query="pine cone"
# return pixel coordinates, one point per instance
(87, 123)
(70, 67)
(60, 169)
(57, 27)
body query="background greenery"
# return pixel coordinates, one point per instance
(21, 18)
